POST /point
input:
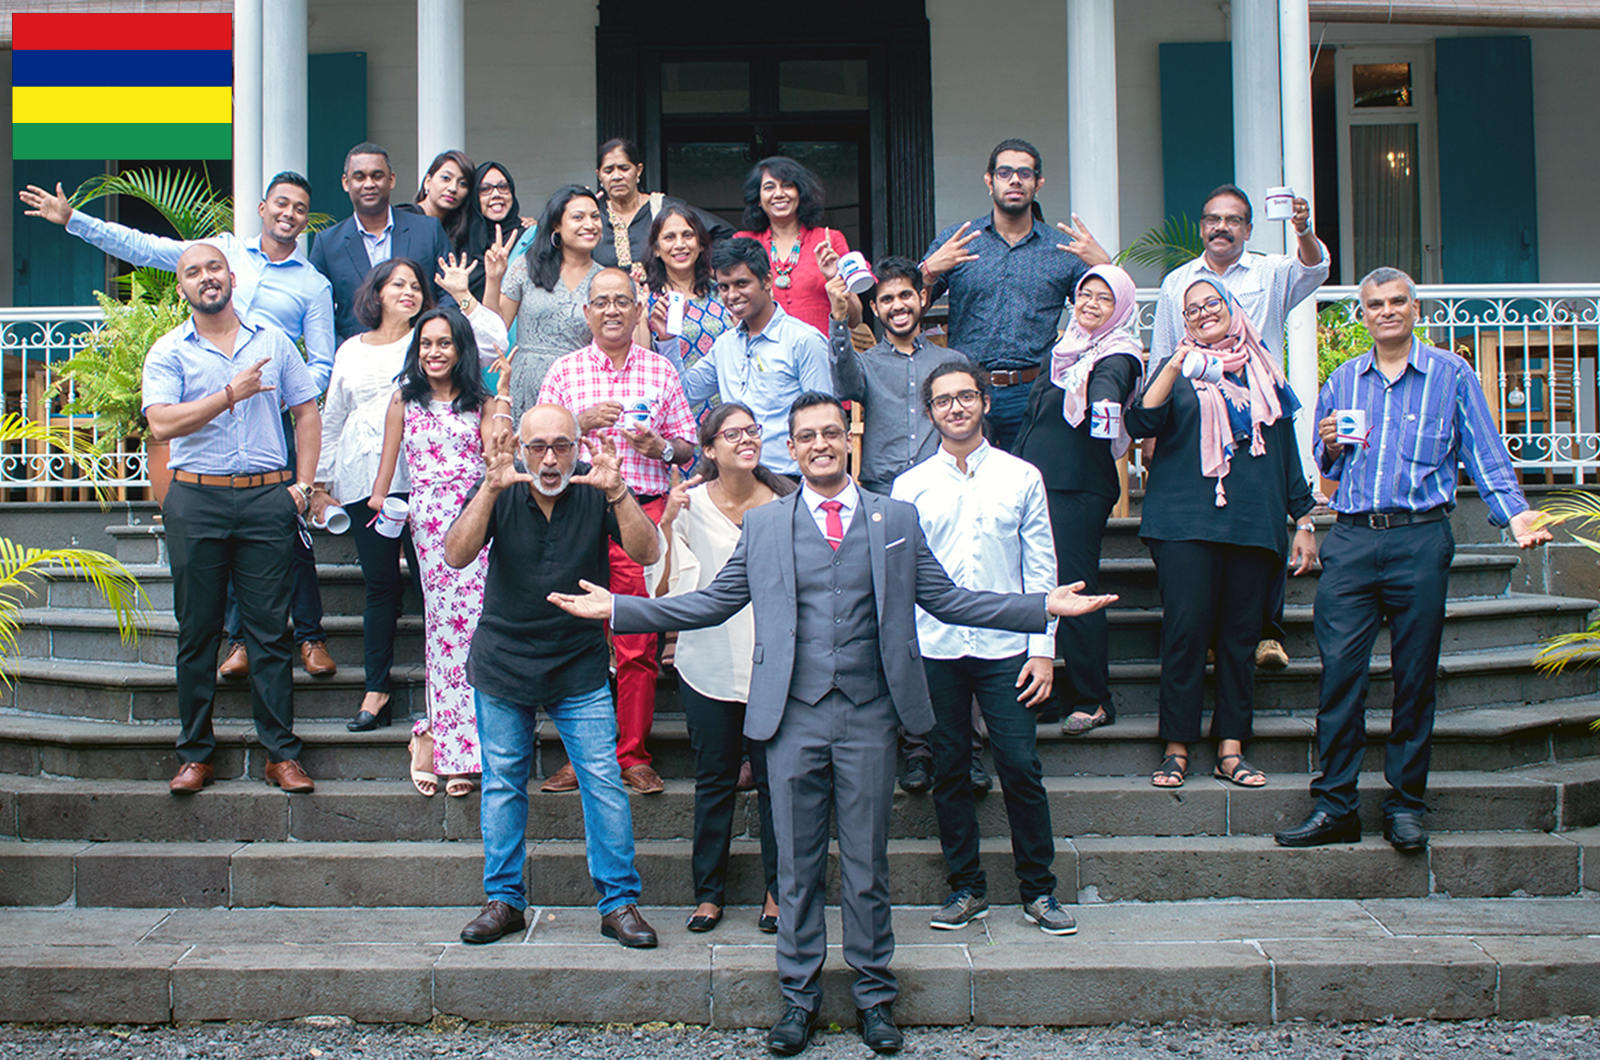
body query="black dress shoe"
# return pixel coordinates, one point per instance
(703, 923)
(791, 1033)
(916, 777)
(497, 919)
(768, 924)
(878, 1029)
(366, 721)
(628, 927)
(1404, 831)
(979, 778)
(1321, 828)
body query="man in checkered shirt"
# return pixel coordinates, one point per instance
(634, 395)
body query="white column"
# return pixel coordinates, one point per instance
(247, 178)
(1257, 117)
(441, 80)
(283, 88)
(1294, 61)
(1092, 118)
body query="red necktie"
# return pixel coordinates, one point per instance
(835, 531)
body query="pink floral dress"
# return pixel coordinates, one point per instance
(443, 451)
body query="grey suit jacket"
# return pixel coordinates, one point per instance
(761, 571)
(341, 256)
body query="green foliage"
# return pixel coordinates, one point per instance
(1567, 649)
(183, 197)
(1340, 336)
(1165, 248)
(107, 375)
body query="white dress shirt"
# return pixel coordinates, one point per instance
(849, 497)
(1266, 285)
(990, 528)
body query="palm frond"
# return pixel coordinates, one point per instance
(22, 568)
(1165, 248)
(1569, 649)
(190, 205)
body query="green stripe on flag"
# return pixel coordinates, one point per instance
(105, 140)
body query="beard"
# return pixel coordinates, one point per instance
(210, 309)
(538, 484)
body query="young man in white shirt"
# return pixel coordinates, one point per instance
(985, 516)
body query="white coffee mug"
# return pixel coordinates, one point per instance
(858, 277)
(1105, 419)
(674, 312)
(392, 518)
(336, 520)
(1350, 426)
(1202, 368)
(1280, 204)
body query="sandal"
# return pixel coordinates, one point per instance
(1077, 723)
(1243, 774)
(422, 779)
(1173, 769)
(459, 786)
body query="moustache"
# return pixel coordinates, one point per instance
(1222, 233)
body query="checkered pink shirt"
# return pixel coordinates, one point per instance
(647, 386)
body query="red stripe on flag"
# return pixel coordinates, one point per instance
(143, 31)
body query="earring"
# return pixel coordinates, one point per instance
(555, 240)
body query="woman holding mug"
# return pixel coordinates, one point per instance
(680, 263)
(783, 212)
(1225, 480)
(628, 214)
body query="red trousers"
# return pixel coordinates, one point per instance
(636, 659)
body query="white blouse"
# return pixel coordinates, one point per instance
(357, 404)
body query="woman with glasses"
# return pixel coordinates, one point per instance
(1073, 434)
(389, 301)
(783, 212)
(545, 290)
(629, 214)
(495, 227)
(1225, 480)
(700, 527)
(680, 261)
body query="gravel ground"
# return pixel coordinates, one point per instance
(336, 1038)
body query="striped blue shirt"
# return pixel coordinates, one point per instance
(1421, 428)
(183, 366)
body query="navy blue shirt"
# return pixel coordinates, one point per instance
(1005, 307)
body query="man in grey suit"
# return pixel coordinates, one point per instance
(837, 668)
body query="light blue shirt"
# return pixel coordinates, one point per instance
(184, 366)
(291, 294)
(766, 372)
(380, 245)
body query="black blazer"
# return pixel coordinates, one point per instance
(340, 255)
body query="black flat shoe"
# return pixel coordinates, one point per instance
(768, 924)
(703, 923)
(1405, 833)
(366, 721)
(1320, 829)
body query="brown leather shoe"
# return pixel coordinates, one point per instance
(643, 779)
(628, 927)
(191, 778)
(564, 779)
(318, 663)
(236, 665)
(496, 921)
(289, 776)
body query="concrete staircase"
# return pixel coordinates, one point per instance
(129, 905)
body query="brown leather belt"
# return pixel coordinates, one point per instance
(238, 482)
(1012, 377)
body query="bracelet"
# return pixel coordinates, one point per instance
(503, 416)
(618, 498)
(1309, 527)
(228, 390)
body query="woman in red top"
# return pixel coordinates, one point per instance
(783, 212)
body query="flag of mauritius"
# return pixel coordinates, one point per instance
(121, 85)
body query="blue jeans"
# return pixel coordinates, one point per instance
(588, 727)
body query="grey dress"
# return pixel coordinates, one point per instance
(550, 324)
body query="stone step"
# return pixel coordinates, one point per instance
(1259, 961)
(1133, 579)
(1478, 739)
(147, 543)
(1550, 797)
(1140, 868)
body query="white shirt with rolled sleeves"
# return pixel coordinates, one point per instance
(1266, 285)
(990, 528)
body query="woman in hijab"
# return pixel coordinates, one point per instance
(1226, 473)
(493, 211)
(1073, 434)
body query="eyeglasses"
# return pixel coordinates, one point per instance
(621, 302)
(561, 447)
(731, 435)
(1005, 173)
(829, 434)
(965, 398)
(1221, 220)
(1210, 305)
(494, 189)
(1097, 298)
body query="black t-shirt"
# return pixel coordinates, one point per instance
(1180, 504)
(1066, 456)
(527, 650)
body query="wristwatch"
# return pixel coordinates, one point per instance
(667, 452)
(1309, 527)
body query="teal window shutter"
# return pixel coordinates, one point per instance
(1196, 123)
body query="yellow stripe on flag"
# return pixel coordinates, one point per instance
(164, 105)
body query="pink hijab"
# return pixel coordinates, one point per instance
(1079, 350)
(1242, 351)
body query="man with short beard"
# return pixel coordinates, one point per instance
(212, 386)
(551, 529)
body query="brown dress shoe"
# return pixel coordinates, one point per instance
(191, 778)
(643, 779)
(497, 920)
(564, 779)
(628, 927)
(318, 663)
(289, 776)
(236, 665)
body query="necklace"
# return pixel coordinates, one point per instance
(781, 270)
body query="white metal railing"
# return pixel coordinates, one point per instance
(1536, 348)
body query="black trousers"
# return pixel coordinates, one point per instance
(952, 683)
(1402, 576)
(1078, 521)
(380, 569)
(215, 533)
(1211, 593)
(1272, 612)
(716, 734)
